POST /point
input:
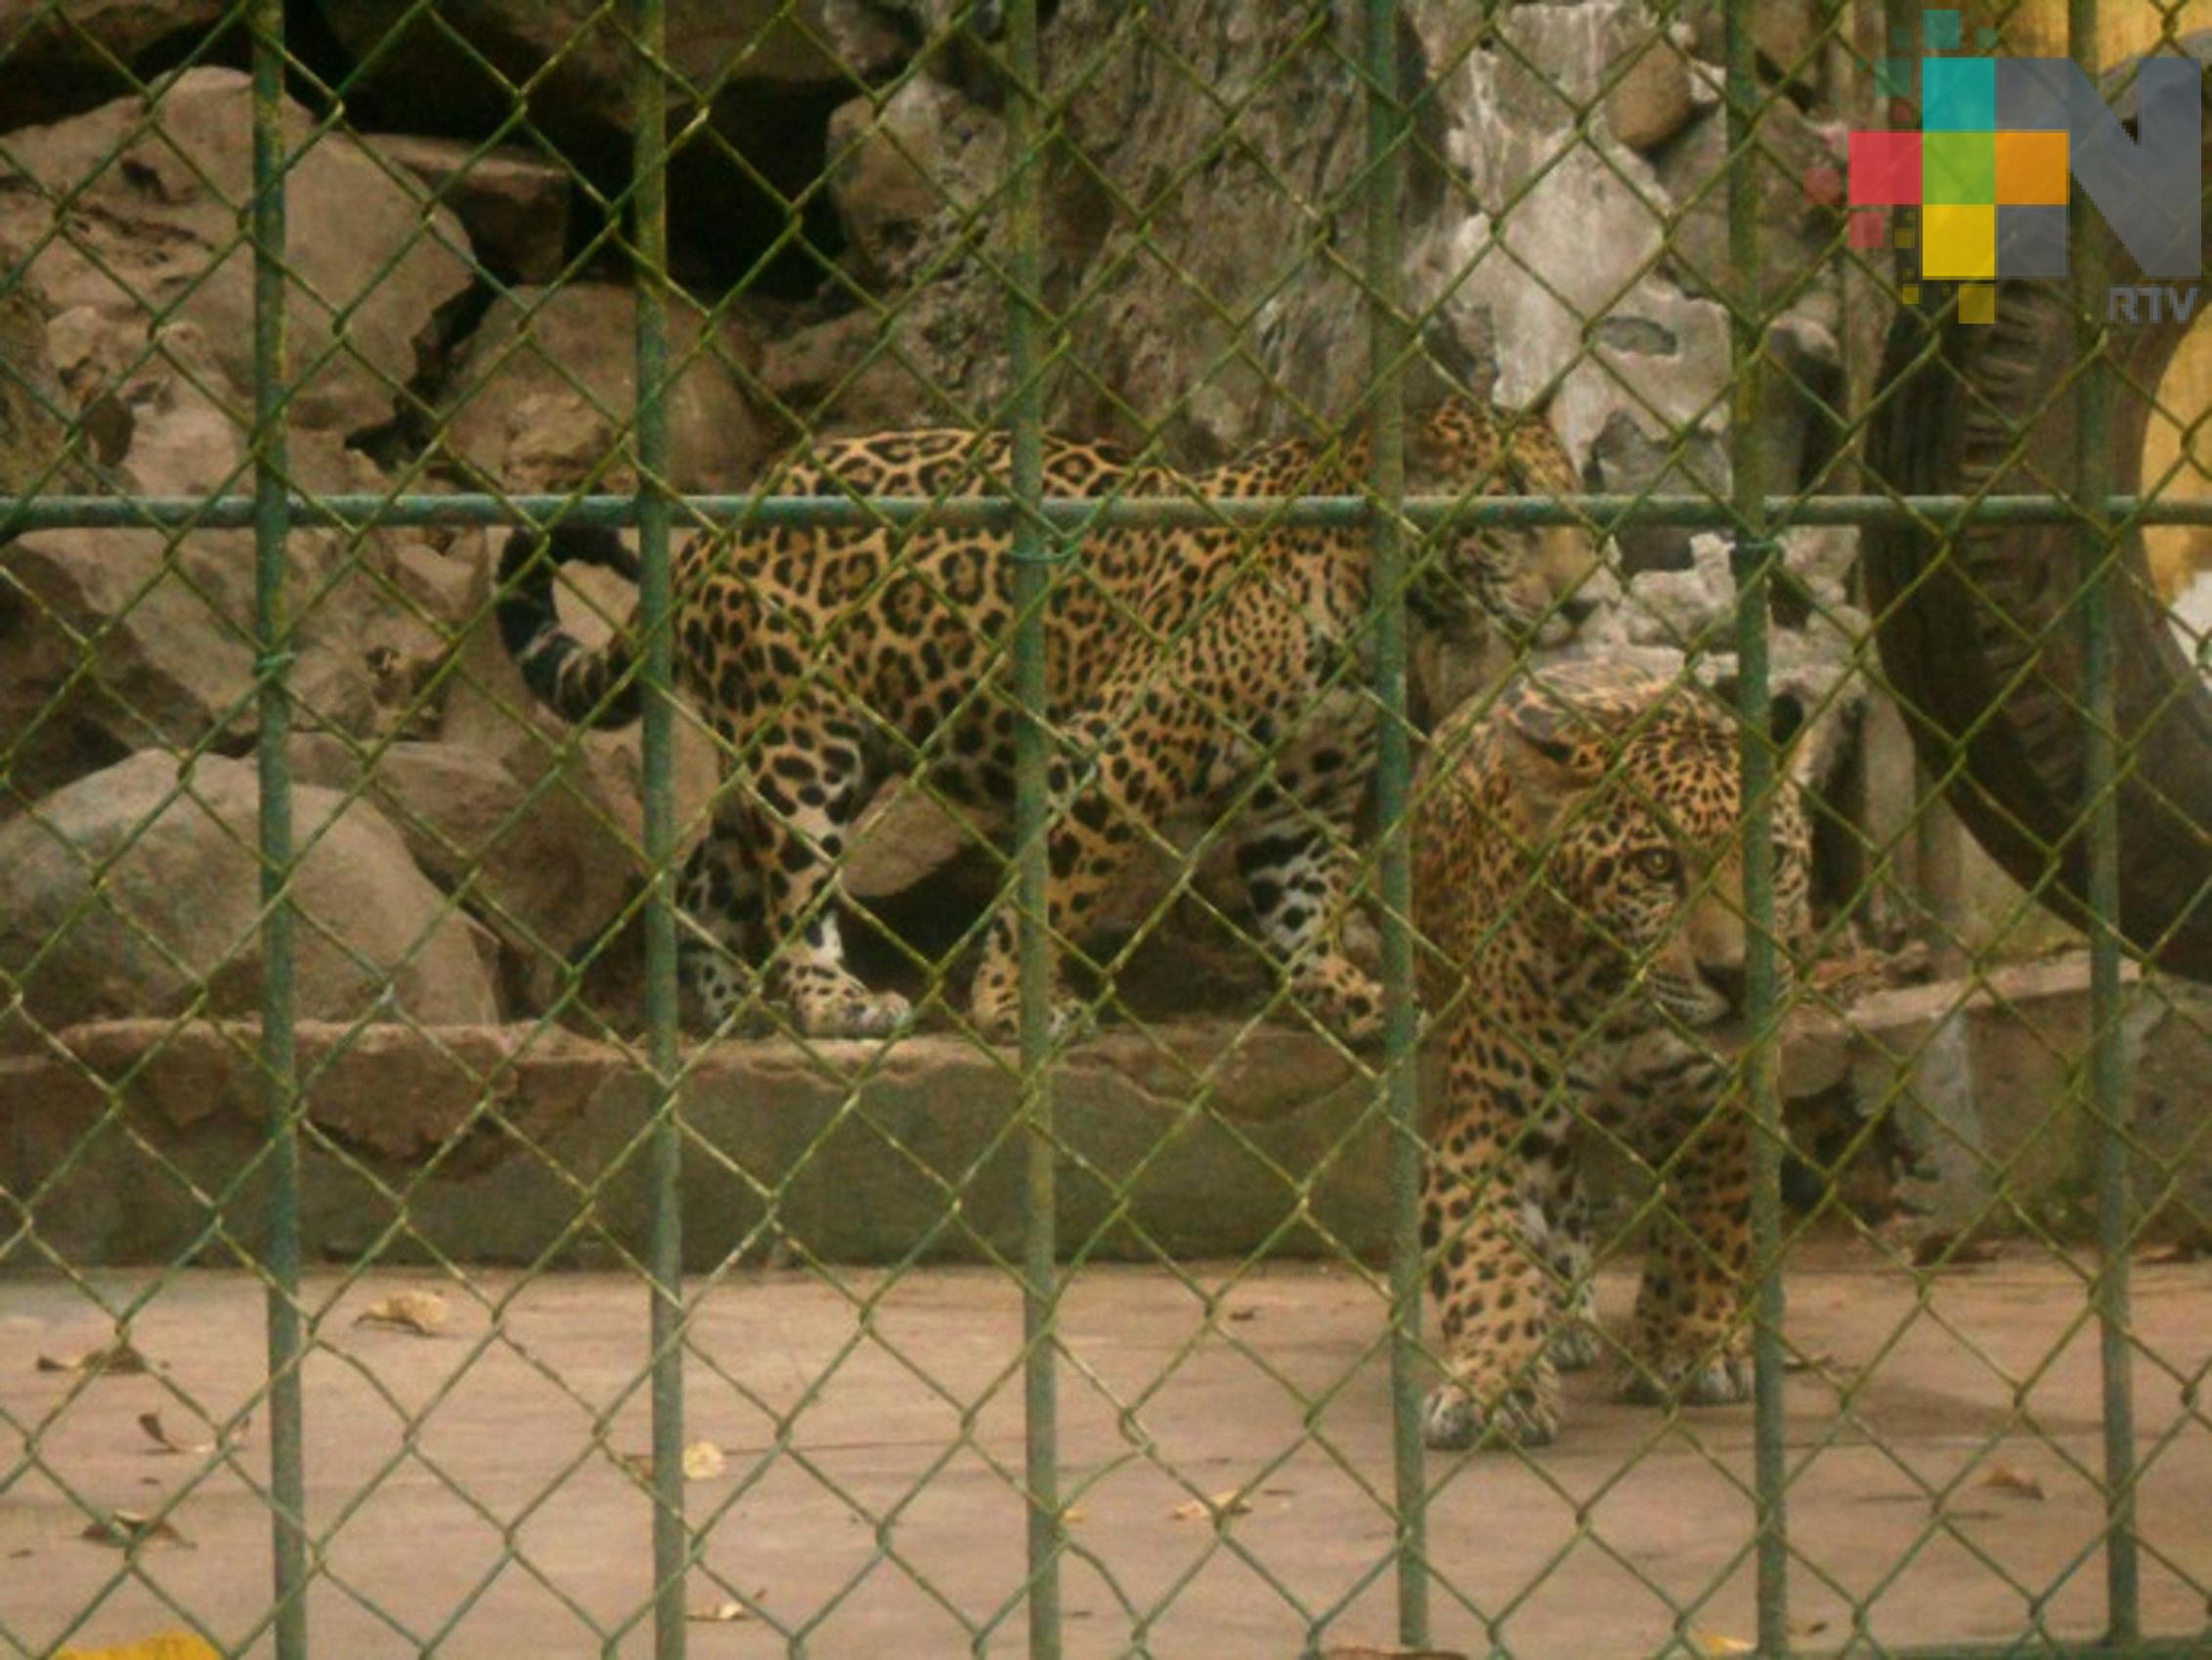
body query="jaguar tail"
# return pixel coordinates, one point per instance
(583, 686)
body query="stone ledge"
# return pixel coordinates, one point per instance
(521, 1144)
(507, 1143)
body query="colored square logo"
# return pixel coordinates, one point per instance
(1959, 168)
(1958, 242)
(2032, 241)
(2031, 169)
(1886, 169)
(1958, 95)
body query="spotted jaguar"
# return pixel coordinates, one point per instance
(1187, 665)
(1579, 895)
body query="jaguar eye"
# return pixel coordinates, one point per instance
(1659, 864)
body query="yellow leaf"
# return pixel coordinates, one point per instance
(168, 1645)
(722, 1613)
(1219, 1504)
(1714, 1643)
(420, 1312)
(703, 1461)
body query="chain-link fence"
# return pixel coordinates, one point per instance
(838, 826)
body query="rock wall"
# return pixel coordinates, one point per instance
(461, 310)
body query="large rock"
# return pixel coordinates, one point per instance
(124, 640)
(58, 57)
(136, 892)
(153, 226)
(105, 649)
(512, 202)
(836, 377)
(113, 641)
(1655, 98)
(539, 870)
(1197, 233)
(1798, 224)
(547, 388)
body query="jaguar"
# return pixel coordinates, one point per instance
(1579, 888)
(1187, 663)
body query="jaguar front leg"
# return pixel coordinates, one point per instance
(808, 790)
(1692, 1343)
(1576, 1342)
(718, 926)
(1482, 1221)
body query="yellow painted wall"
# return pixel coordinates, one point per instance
(2038, 28)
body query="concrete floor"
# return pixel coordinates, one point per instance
(429, 1457)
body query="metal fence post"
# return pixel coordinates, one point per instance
(1031, 556)
(665, 1248)
(272, 526)
(1387, 337)
(1755, 555)
(2101, 821)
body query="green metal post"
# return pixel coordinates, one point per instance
(1032, 812)
(1755, 555)
(2101, 765)
(272, 529)
(655, 589)
(1387, 337)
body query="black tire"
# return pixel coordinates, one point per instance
(1979, 635)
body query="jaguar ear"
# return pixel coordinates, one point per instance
(1553, 757)
(1459, 359)
(1786, 721)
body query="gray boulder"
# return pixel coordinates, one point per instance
(151, 239)
(136, 892)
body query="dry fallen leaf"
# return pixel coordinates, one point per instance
(1073, 1515)
(639, 1465)
(2188, 1250)
(1243, 1314)
(163, 1441)
(2009, 1478)
(703, 1461)
(127, 1529)
(118, 1358)
(724, 1613)
(1714, 1643)
(420, 1312)
(1201, 1510)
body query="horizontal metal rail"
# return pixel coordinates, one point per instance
(1078, 515)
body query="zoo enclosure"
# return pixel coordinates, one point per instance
(1046, 539)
